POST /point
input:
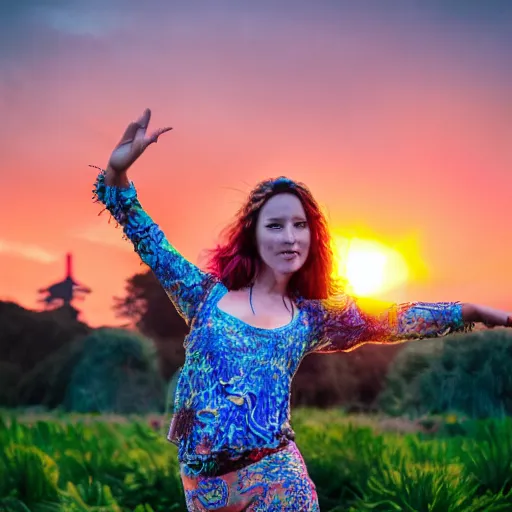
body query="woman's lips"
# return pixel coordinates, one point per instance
(289, 255)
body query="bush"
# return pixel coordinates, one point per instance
(47, 382)
(10, 375)
(464, 373)
(117, 372)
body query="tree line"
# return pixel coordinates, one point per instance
(51, 359)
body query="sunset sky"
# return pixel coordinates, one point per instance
(396, 114)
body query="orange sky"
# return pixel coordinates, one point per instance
(398, 120)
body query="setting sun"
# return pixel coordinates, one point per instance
(369, 267)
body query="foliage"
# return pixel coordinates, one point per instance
(117, 372)
(93, 466)
(10, 375)
(47, 382)
(352, 379)
(360, 468)
(489, 461)
(462, 373)
(27, 337)
(148, 308)
(84, 463)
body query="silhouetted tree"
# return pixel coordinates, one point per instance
(149, 309)
(28, 337)
(352, 380)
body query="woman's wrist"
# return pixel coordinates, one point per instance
(115, 178)
(469, 313)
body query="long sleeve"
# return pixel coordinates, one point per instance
(185, 284)
(339, 325)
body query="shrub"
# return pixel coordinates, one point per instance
(117, 372)
(47, 382)
(464, 373)
(10, 375)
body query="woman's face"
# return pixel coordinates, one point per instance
(283, 236)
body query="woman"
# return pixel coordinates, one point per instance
(266, 301)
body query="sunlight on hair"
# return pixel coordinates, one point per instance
(369, 267)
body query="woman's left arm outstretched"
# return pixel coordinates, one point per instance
(340, 325)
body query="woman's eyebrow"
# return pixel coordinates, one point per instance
(280, 219)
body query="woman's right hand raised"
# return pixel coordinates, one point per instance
(132, 144)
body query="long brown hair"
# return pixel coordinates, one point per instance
(235, 261)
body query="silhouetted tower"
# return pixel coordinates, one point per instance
(63, 293)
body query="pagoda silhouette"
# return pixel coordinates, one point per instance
(61, 295)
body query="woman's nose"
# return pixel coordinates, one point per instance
(289, 234)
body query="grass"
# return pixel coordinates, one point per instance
(60, 462)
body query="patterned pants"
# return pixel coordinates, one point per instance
(279, 482)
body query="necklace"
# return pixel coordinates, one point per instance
(252, 308)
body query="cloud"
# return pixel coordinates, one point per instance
(104, 234)
(48, 21)
(35, 29)
(27, 251)
(81, 20)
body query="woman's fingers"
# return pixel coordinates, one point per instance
(136, 129)
(134, 141)
(154, 136)
(129, 134)
(144, 118)
(143, 123)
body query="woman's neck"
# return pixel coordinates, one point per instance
(270, 284)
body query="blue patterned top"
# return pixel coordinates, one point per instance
(233, 393)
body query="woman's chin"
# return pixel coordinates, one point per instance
(289, 268)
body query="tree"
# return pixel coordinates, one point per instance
(27, 337)
(352, 380)
(149, 309)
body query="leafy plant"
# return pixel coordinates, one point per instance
(117, 372)
(462, 373)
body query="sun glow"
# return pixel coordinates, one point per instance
(370, 268)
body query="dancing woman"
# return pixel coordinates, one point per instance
(266, 300)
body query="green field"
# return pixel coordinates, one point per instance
(60, 462)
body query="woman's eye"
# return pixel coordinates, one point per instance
(300, 225)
